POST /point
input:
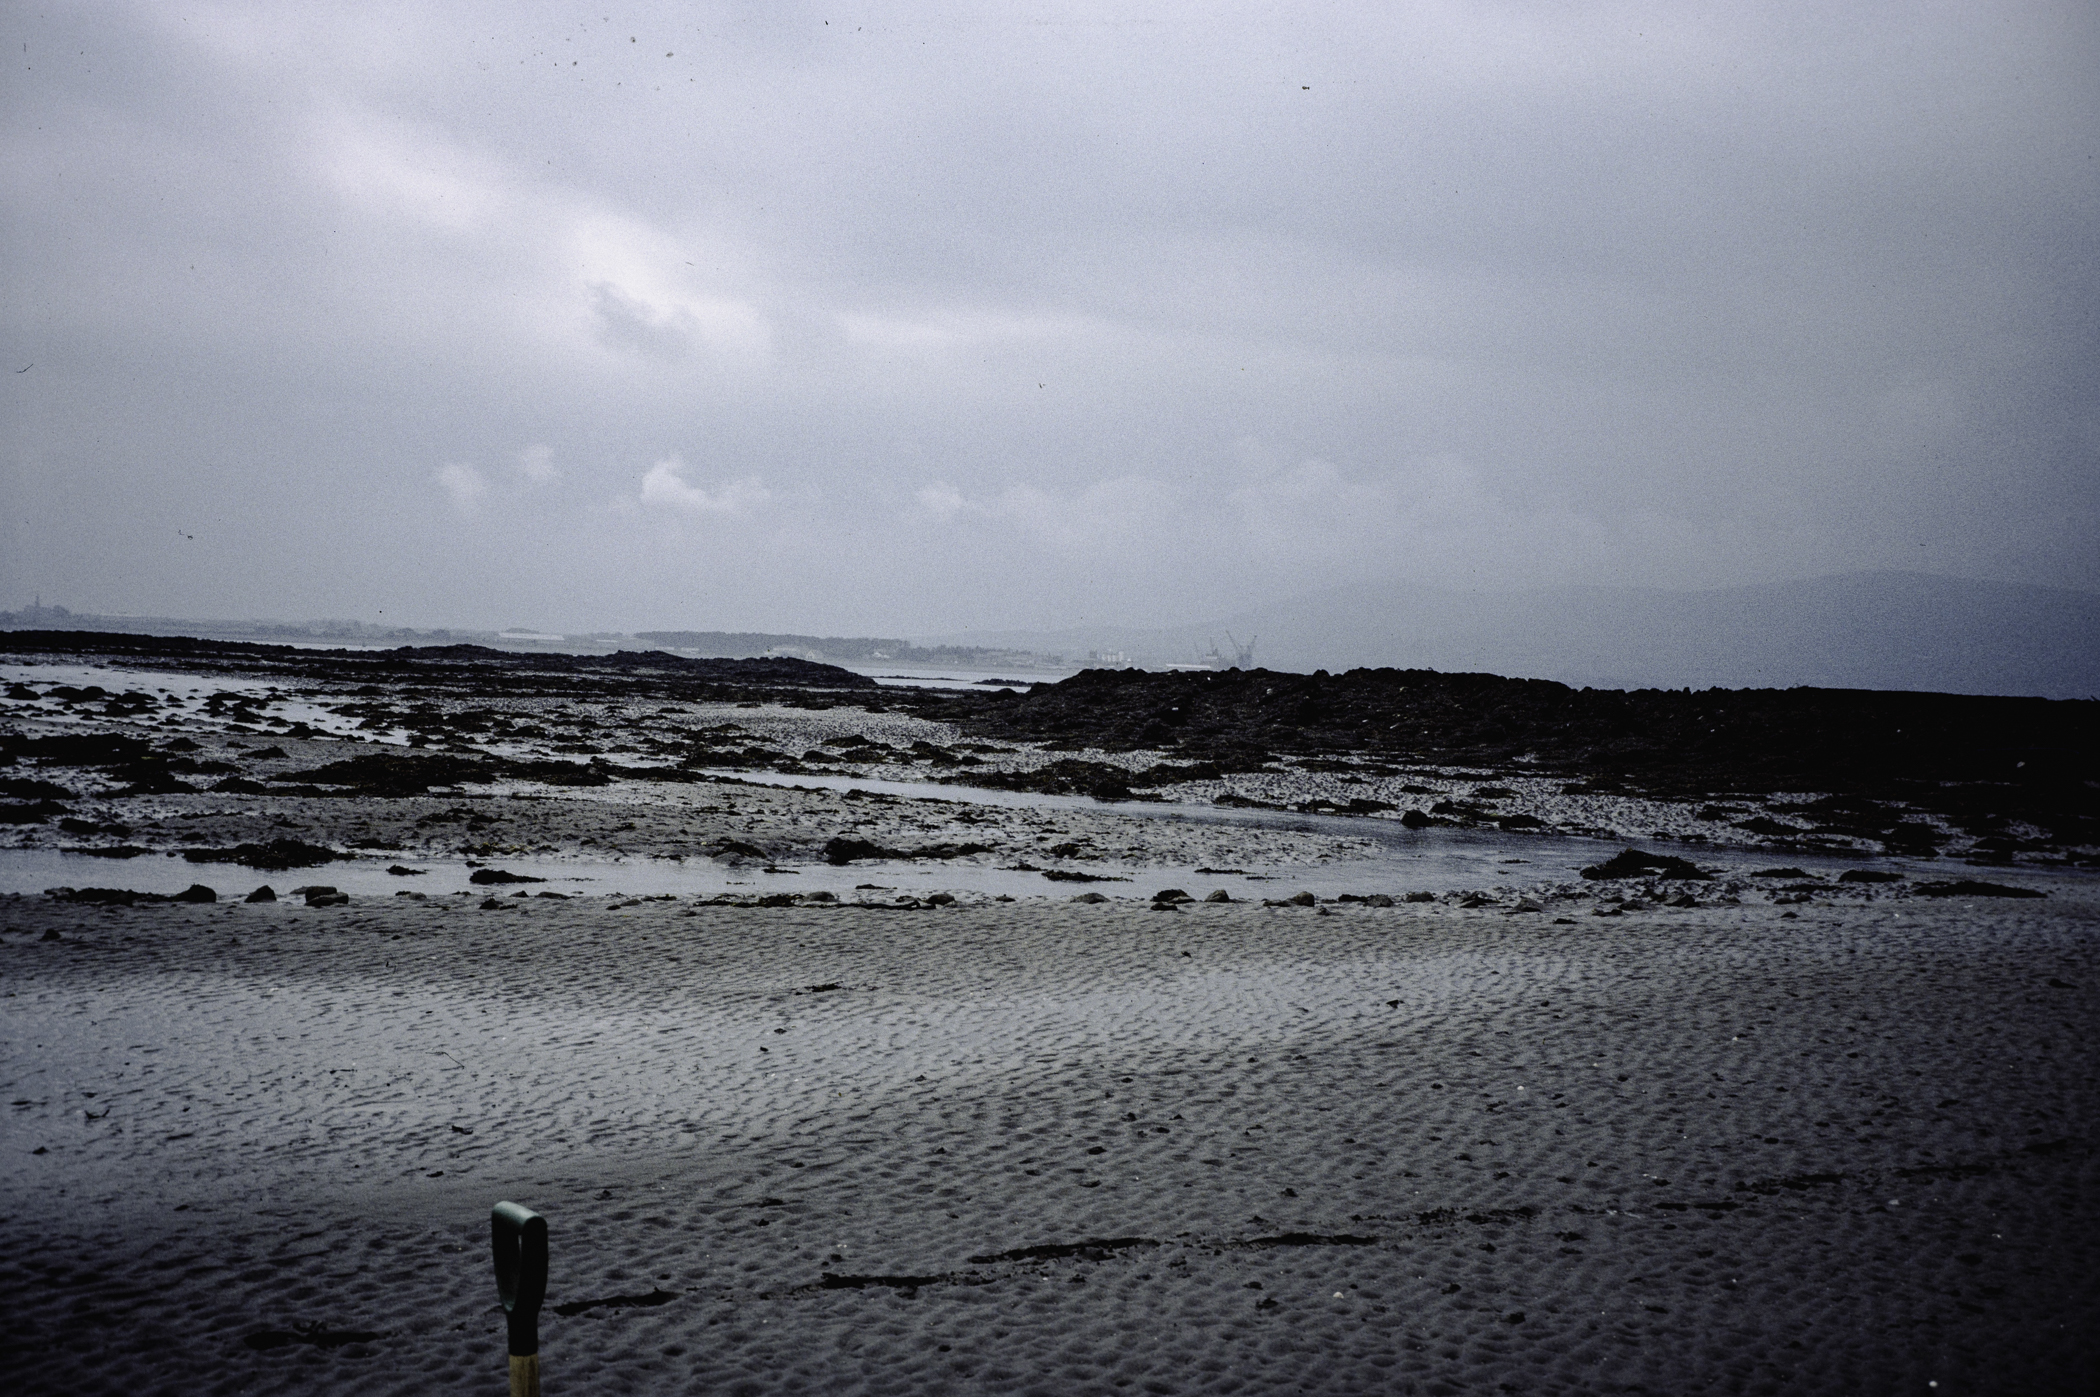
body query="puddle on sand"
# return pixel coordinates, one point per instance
(278, 699)
(1425, 861)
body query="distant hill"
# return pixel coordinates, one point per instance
(731, 644)
(1878, 630)
(335, 632)
(838, 649)
(726, 645)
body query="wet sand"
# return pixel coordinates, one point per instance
(1768, 1130)
(1045, 1147)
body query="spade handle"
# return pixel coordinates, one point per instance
(519, 1238)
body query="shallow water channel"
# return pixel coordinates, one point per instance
(1403, 860)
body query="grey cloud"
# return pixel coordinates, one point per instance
(956, 318)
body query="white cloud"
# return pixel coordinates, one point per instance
(560, 267)
(663, 333)
(646, 297)
(942, 500)
(536, 463)
(665, 485)
(1119, 509)
(396, 170)
(464, 484)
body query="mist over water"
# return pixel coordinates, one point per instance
(1860, 631)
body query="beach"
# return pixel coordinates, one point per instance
(1040, 1146)
(926, 701)
(852, 1039)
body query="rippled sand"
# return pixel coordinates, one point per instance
(1052, 1148)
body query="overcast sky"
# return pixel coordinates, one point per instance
(919, 317)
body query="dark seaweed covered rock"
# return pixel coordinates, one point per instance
(103, 897)
(1976, 761)
(501, 875)
(1969, 887)
(1633, 863)
(127, 897)
(76, 749)
(275, 854)
(841, 850)
(1068, 776)
(25, 788)
(151, 778)
(382, 774)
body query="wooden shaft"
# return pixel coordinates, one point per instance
(525, 1375)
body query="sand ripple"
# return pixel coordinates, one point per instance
(1055, 1148)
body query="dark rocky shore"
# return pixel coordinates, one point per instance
(1987, 764)
(2013, 779)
